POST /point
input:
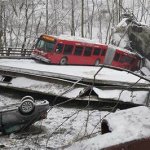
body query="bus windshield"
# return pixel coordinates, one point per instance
(46, 46)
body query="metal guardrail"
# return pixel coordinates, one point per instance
(15, 52)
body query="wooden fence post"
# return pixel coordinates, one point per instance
(8, 51)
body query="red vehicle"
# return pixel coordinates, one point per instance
(63, 51)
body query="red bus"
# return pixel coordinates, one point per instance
(64, 51)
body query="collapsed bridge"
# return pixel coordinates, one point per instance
(97, 85)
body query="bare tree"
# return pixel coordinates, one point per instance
(14, 8)
(98, 6)
(91, 20)
(26, 23)
(28, 14)
(31, 26)
(1, 23)
(5, 26)
(82, 19)
(55, 15)
(46, 27)
(62, 4)
(38, 25)
(72, 18)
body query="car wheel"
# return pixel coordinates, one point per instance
(63, 61)
(27, 107)
(28, 98)
(97, 62)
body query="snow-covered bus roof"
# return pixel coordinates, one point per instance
(78, 39)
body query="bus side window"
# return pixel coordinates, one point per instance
(103, 52)
(125, 59)
(87, 51)
(97, 51)
(59, 48)
(78, 50)
(117, 56)
(68, 49)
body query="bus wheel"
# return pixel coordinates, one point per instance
(63, 61)
(97, 62)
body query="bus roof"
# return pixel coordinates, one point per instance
(76, 38)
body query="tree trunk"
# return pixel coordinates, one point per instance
(72, 18)
(82, 19)
(100, 35)
(55, 16)
(1, 23)
(5, 27)
(31, 29)
(46, 27)
(26, 27)
(62, 4)
(92, 17)
(38, 25)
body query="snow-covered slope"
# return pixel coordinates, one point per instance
(125, 126)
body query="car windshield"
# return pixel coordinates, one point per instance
(46, 46)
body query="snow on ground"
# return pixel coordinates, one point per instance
(4, 101)
(79, 71)
(65, 126)
(125, 126)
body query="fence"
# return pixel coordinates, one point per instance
(15, 52)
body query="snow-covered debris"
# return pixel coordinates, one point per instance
(119, 34)
(122, 25)
(133, 35)
(145, 71)
(125, 126)
(147, 63)
(137, 97)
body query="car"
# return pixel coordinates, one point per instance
(19, 116)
